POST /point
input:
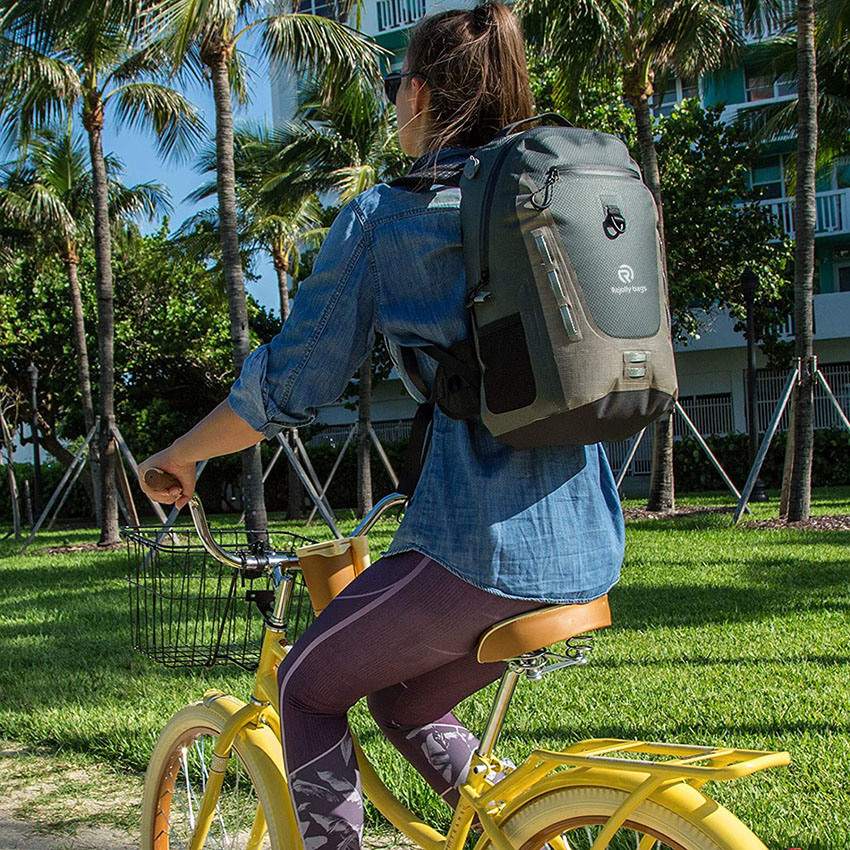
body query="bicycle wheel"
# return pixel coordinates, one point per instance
(248, 812)
(570, 818)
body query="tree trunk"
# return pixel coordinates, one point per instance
(364, 441)
(93, 122)
(252, 470)
(294, 490)
(662, 492)
(281, 267)
(805, 216)
(81, 347)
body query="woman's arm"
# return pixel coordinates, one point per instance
(220, 432)
(325, 339)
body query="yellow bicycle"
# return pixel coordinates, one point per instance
(216, 778)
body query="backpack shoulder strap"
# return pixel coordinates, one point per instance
(422, 179)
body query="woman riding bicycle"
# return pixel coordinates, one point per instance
(490, 532)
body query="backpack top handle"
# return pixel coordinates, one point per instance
(552, 117)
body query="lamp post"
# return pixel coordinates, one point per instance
(749, 286)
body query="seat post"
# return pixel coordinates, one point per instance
(498, 710)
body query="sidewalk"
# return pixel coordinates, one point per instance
(49, 803)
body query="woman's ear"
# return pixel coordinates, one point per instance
(421, 95)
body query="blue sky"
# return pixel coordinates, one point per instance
(141, 163)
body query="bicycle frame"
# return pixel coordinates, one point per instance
(686, 769)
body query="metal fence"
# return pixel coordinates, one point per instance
(712, 414)
(770, 382)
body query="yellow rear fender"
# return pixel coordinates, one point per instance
(712, 819)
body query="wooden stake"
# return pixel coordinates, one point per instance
(124, 486)
(13, 484)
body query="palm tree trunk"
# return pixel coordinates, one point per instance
(662, 493)
(364, 441)
(281, 267)
(294, 490)
(93, 122)
(80, 345)
(252, 470)
(805, 216)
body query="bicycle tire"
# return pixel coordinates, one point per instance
(166, 826)
(577, 812)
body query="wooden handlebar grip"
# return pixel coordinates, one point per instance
(156, 479)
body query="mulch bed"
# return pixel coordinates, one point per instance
(827, 522)
(81, 547)
(684, 510)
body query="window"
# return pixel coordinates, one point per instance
(841, 253)
(675, 91)
(761, 85)
(768, 178)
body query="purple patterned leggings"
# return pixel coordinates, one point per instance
(404, 633)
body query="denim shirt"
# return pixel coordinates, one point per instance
(542, 524)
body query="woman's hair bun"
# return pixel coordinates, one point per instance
(482, 15)
(474, 63)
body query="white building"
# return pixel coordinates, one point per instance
(712, 369)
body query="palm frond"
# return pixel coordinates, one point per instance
(180, 22)
(144, 200)
(311, 42)
(176, 122)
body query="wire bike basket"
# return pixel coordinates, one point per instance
(189, 610)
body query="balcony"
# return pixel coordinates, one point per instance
(770, 26)
(833, 212)
(398, 14)
(831, 321)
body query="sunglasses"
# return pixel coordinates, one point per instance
(393, 81)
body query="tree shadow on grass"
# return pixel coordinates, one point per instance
(699, 731)
(650, 606)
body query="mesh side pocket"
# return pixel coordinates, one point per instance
(508, 377)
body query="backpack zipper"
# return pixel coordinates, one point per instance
(490, 189)
(484, 232)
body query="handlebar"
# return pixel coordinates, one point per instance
(156, 479)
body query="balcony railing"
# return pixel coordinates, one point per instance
(833, 210)
(399, 14)
(772, 25)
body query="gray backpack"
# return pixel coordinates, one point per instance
(570, 325)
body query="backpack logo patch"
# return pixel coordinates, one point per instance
(626, 274)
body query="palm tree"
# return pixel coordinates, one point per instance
(207, 35)
(805, 218)
(49, 194)
(803, 116)
(642, 42)
(279, 218)
(52, 64)
(344, 144)
(280, 227)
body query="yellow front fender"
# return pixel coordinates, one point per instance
(257, 745)
(261, 742)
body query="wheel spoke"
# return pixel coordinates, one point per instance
(238, 823)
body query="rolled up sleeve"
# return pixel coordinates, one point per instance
(328, 334)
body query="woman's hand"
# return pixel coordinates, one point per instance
(170, 461)
(220, 432)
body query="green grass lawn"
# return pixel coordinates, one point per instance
(721, 635)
